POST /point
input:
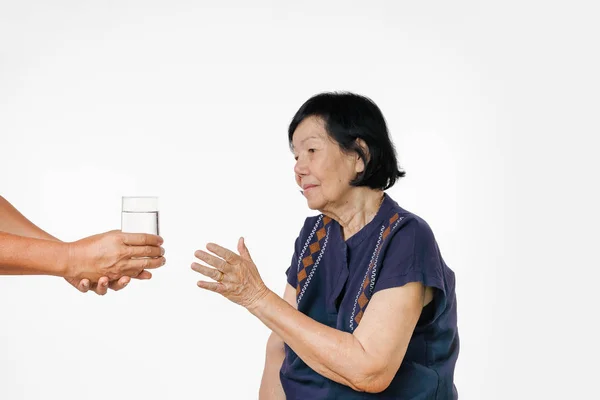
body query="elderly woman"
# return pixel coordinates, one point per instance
(370, 308)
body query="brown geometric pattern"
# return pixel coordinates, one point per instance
(314, 248)
(364, 295)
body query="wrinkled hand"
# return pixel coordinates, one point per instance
(237, 275)
(113, 255)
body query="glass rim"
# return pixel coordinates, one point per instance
(139, 203)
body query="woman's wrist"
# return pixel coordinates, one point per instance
(262, 299)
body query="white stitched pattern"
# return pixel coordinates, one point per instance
(365, 278)
(396, 224)
(374, 273)
(308, 242)
(373, 263)
(314, 268)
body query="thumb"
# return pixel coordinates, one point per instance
(243, 250)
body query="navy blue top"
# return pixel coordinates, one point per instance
(334, 281)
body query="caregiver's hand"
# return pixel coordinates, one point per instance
(103, 284)
(113, 255)
(236, 276)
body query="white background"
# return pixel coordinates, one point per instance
(493, 109)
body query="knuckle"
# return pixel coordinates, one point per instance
(116, 270)
(119, 237)
(125, 252)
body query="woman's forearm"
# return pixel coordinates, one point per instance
(334, 354)
(270, 385)
(21, 255)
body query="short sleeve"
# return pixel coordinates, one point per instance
(412, 255)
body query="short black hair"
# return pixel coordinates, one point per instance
(347, 117)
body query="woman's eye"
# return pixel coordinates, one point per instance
(311, 150)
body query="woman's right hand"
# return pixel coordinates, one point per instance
(113, 255)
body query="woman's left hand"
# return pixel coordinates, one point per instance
(236, 276)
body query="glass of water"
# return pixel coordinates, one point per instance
(140, 215)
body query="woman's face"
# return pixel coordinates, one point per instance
(322, 169)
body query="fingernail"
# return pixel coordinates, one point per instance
(163, 261)
(85, 285)
(125, 284)
(105, 284)
(162, 251)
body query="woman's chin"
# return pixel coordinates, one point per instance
(314, 204)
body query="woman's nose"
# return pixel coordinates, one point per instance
(301, 167)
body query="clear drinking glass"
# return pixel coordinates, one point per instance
(140, 214)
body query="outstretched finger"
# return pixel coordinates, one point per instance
(212, 286)
(212, 273)
(212, 260)
(243, 250)
(227, 255)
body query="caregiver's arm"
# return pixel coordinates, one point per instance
(21, 255)
(366, 360)
(270, 385)
(12, 221)
(111, 254)
(26, 249)
(22, 252)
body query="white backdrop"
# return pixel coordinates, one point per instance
(490, 107)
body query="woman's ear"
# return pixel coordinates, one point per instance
(360, 163)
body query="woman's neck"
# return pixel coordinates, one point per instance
(356, 210)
